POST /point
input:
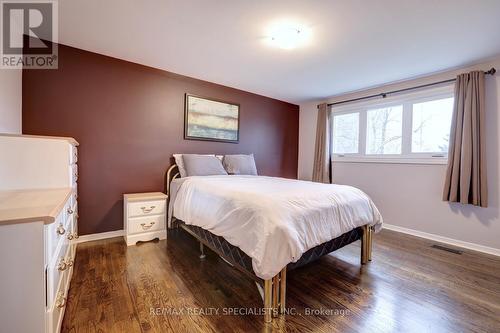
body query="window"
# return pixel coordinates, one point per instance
(411, 128)
(384, 130)
(346, 129)
(431, 126)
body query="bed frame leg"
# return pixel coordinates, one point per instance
(282, 290)
(202, 251)
(370, 243)
(276, 285)
(275, 296)
(364, 245)
(268, 291)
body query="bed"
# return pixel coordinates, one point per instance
(266, 226)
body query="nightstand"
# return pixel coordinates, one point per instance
(144, 216)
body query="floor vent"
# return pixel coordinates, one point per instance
(447, 249)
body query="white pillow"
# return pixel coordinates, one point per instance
(203, 165)
(180, 163)
(240, 164)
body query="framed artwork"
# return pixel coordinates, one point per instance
(211, 120)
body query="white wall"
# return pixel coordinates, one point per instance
(10, 100)
(409, 195)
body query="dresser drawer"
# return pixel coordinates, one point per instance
(146, 224)
(73, 198)
(55, 311)
(58, 230)
(73, 155)
(58, 267)
(73, 235)
(73, 170)
(73, 226)
(146, 208)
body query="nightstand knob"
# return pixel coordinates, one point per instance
(145, 226)
(148, 210)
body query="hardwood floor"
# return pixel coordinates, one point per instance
(163, 287)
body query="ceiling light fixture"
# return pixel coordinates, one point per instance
(288, 35)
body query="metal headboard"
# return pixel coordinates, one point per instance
(172, 173)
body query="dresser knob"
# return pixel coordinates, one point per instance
(62, 265)
(69, 262)
(70, 236)
(70, 211)
(60, 230)
(60, 301)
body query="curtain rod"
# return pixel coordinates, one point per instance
(492, 71)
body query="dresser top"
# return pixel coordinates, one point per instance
(144, 196)
(70, 140)
(20, 206)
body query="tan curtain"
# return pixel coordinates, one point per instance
(466, 173)
(321, 169)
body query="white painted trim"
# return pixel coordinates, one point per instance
(392, 160)
(102, 235)
(406, 102)
(446, 240)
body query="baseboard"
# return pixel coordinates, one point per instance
(417, 233)
(102, 235)
(446, 240)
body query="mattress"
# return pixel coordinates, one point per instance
(274, 221)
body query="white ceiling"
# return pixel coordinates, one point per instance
(355, 44)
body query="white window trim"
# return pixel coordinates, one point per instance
(406, 157)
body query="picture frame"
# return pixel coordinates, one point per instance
(210, 119)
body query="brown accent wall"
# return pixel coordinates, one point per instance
(129, 120)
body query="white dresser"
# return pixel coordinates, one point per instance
(38, 229)
(144, 216)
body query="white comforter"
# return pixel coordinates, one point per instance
(273, 220)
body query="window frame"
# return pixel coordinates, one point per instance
(406, 100)
(359, 127)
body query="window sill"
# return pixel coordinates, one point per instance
(392, 160)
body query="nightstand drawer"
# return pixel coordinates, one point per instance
(146, 208)
(146, 224)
